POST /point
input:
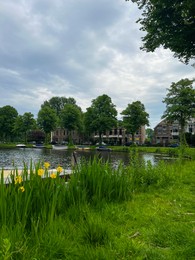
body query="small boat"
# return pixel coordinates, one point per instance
(21, 145)
(59, 147)
(38, 146)
(103, 148)
(82, 147)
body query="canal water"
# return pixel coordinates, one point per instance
(10, 158)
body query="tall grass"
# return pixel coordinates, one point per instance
(96, 181)
(31, 198)
(89, 216)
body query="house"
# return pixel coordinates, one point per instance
(119, 136)
(61, 135)
(166, 132)
(116, 136)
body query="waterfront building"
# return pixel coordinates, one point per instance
(116, 136)
(166, 133)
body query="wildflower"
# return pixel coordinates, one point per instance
(59, 169)
(53, 175)
(46, 165)
(22, 189)
(40, 172)
(18, 179)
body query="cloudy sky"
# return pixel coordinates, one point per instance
(81, 49)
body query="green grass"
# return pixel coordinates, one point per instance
(137, 212)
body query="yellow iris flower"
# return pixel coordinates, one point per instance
(18, 179)
(53, 175)
(59, 169)
(22, 189)
(46, 165)
(40, 172)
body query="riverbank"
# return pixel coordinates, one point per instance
(138, 212)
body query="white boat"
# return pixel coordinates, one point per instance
(59, 147)
(21, 145)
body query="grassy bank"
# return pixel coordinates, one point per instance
(177, 152)
(138, 212)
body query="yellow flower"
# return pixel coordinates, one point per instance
(40, 172)
(59, 169)
(46, 165)
(18, 179)
(53, 175)
(22, 189)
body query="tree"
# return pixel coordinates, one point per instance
(8, 115)
(134, 116)
(47, 120)
(170, 24)
(58, 103)
(180, 104)
(149, 134)
(101, 116)
(70, 118)
(23, 124)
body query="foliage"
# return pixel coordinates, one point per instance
(149, 135)
(71, 118)
(134, 116)
(8, 115)
(180, 104)
(101, 116)
(24, 124)
(47, 119)
(58, 103)
(170, 24)
(190, 139)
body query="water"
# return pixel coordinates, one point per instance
(10, 158)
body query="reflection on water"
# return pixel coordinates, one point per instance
(18, 156)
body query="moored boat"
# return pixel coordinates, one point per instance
(21, 145)
(38, 146)
(59, 147)
(103, 148)
(82, 147)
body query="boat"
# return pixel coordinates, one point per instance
(82, 147)
(103, 148)
(38, 146)
(21, 145)
(59, 147)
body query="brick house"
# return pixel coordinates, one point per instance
(115, 136)
(166, 133)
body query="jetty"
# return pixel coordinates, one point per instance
(9, 173)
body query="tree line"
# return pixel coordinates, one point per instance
(65, 113)
(99, 117)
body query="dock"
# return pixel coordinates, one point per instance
(7, 173)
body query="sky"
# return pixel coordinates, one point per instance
(81, 49)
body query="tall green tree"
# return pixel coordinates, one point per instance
(58, 103)
(71, 119)
(170, 24)
(101, 116)
(8, 115)
(23, 124)
(134, 116)
(180, 104)
(47, 120)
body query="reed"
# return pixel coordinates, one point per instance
(136, 212)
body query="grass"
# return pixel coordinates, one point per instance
(138, 212)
